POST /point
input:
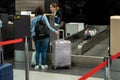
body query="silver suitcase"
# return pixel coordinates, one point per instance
(61, 53)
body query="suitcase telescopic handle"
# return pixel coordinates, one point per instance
(58, 36)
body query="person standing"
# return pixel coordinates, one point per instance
(55, 10)
(41, 45)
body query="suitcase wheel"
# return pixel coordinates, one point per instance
(53, 67)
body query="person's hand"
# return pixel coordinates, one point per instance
(57, 32)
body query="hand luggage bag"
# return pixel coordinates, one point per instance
(6, 71)
(33, 62)
(61, 53)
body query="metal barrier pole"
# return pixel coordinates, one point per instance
(107, 68)
(26, 59)
(1, 50)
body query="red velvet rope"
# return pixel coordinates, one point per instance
(11, 41)
(99, 67)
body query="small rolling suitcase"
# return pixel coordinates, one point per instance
(6, 71)
(61, 53)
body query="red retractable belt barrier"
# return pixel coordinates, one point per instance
(11, 41)
(99, 67)
(94, 70)
(115, 56)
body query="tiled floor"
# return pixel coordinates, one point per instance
(74, 73)
(35, 75)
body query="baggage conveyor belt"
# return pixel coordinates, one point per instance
(85, 45)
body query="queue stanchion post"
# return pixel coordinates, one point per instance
(1, 49)
(107, 68)
(26, 59)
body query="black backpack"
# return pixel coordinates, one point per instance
(41, 30)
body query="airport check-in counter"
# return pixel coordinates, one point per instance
(21, 30)
(51, 19)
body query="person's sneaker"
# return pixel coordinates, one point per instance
(39, 65)
(46, 66)
(36, 67)
(42, 67)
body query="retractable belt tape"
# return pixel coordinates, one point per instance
(11, 41)
(99, 67)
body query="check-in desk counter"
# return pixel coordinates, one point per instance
(21, 29)
(51, 19)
